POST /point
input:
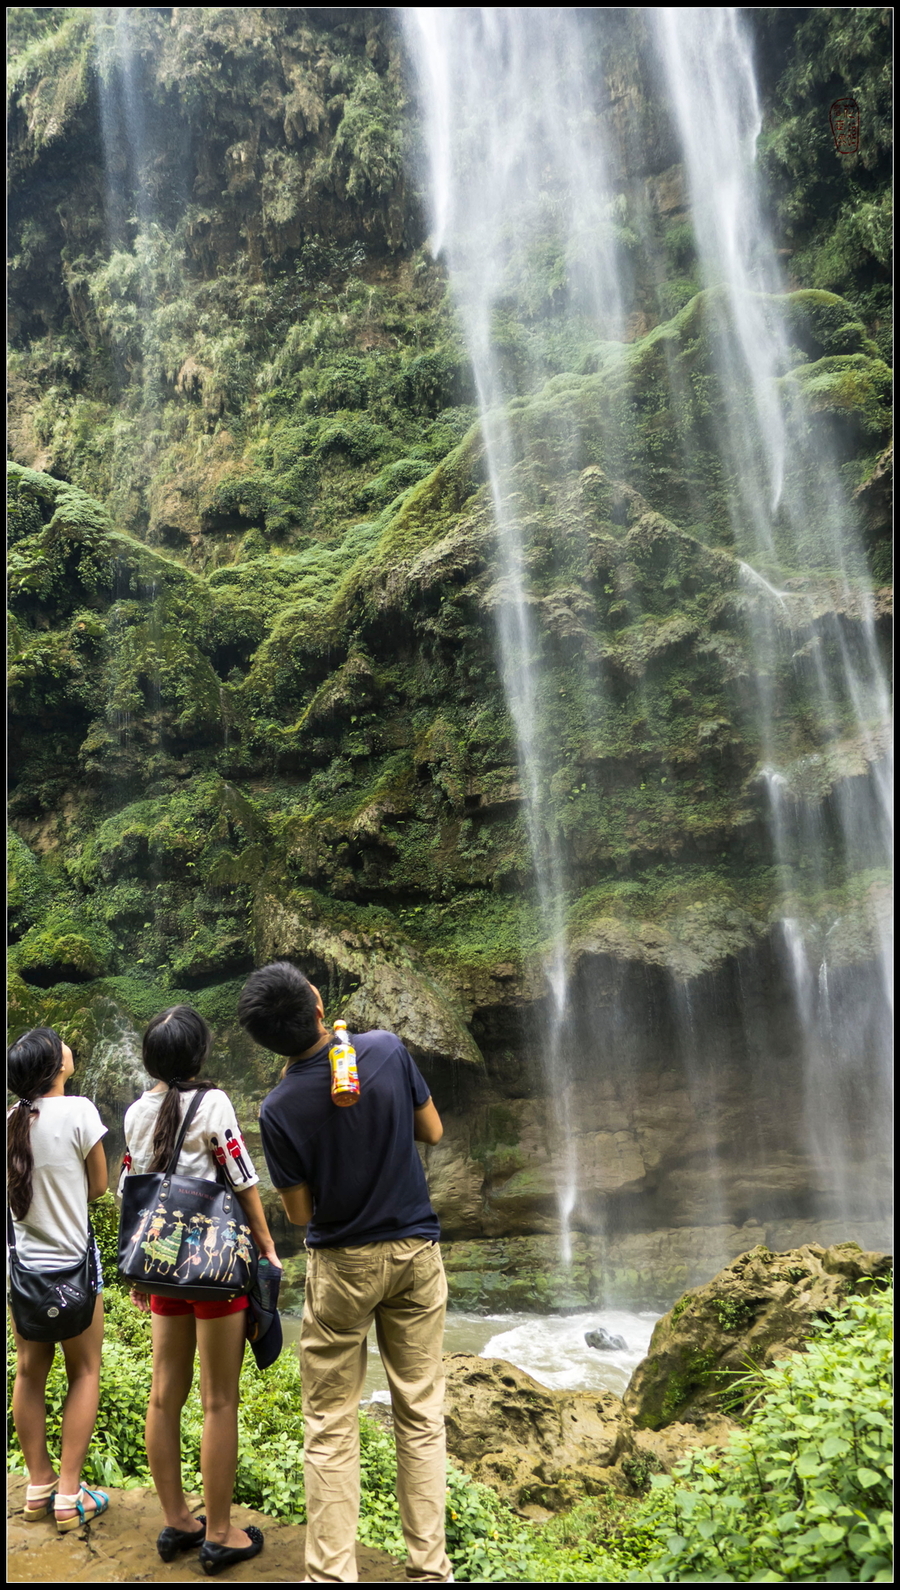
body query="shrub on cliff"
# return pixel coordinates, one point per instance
(803, 1493)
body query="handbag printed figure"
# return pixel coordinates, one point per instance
(163, 1247)
(191, 1247)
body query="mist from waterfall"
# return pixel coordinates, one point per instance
(518, 162)
(134, 213)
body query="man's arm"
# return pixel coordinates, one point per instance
(298, 1204)
(427, 1127)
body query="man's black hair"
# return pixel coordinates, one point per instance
(278, 1008)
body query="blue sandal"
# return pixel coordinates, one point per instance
(62, 1503)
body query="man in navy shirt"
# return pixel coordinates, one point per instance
(353, 1177)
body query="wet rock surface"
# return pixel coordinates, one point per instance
(120, 1548)
(535, 1446)
(636, 1270)
(545, 1450)
(640, 1270)
(605, 1341)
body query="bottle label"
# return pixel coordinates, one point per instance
(344, 1073)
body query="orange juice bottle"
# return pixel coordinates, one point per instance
(344, 1075)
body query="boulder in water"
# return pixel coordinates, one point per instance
(544, 1450)
(605, 1341)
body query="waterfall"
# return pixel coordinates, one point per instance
(498, 87)
(522, 167)
(789, 512)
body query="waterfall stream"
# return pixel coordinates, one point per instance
(498, 100)
(524, 161)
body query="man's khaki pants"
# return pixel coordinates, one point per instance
(402, 1286)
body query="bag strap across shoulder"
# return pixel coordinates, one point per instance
(189, 1114)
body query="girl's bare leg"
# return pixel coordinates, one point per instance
(221, 1346)
(29, 1406)
(174, 1341)
(82, 1356)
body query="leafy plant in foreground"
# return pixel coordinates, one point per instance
(804, 1492)
(801, 1494)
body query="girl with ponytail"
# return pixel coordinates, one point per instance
(176, 1048)
(55, 1166)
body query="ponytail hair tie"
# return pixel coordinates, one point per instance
(28, 1103)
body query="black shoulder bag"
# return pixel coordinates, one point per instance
(181, 1236)
(52, 1305)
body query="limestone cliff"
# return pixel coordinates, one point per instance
(254, 578)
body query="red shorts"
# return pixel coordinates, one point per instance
(174, 1305)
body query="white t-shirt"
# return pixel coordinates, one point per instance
(213, 1136)
(54, 1231)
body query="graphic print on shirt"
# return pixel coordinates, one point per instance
(219, 1154)
(235, 1146)
(233, 1151)
(125, 1171)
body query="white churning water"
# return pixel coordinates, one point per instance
(550, 1347)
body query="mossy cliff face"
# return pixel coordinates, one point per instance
(254, 585)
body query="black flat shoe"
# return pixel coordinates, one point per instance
(171, 1541)
(214, 1558)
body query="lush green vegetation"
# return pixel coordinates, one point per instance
(288, 720)
(803, 1491)
(834, 209)
(252, 571)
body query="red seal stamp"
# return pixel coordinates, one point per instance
(844, 120)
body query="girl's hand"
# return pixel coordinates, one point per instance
(140, 1300)
(270, 1254)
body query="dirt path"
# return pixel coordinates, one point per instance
(120, 1548)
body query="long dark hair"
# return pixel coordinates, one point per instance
(32, 1066)
(175, 1049)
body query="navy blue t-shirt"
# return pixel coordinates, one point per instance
(359, 1161)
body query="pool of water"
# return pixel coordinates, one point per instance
(551, 1347)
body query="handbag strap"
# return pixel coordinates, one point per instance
(189, 1114)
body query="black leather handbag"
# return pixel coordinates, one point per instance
(52, 1305)
(181, 1236)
